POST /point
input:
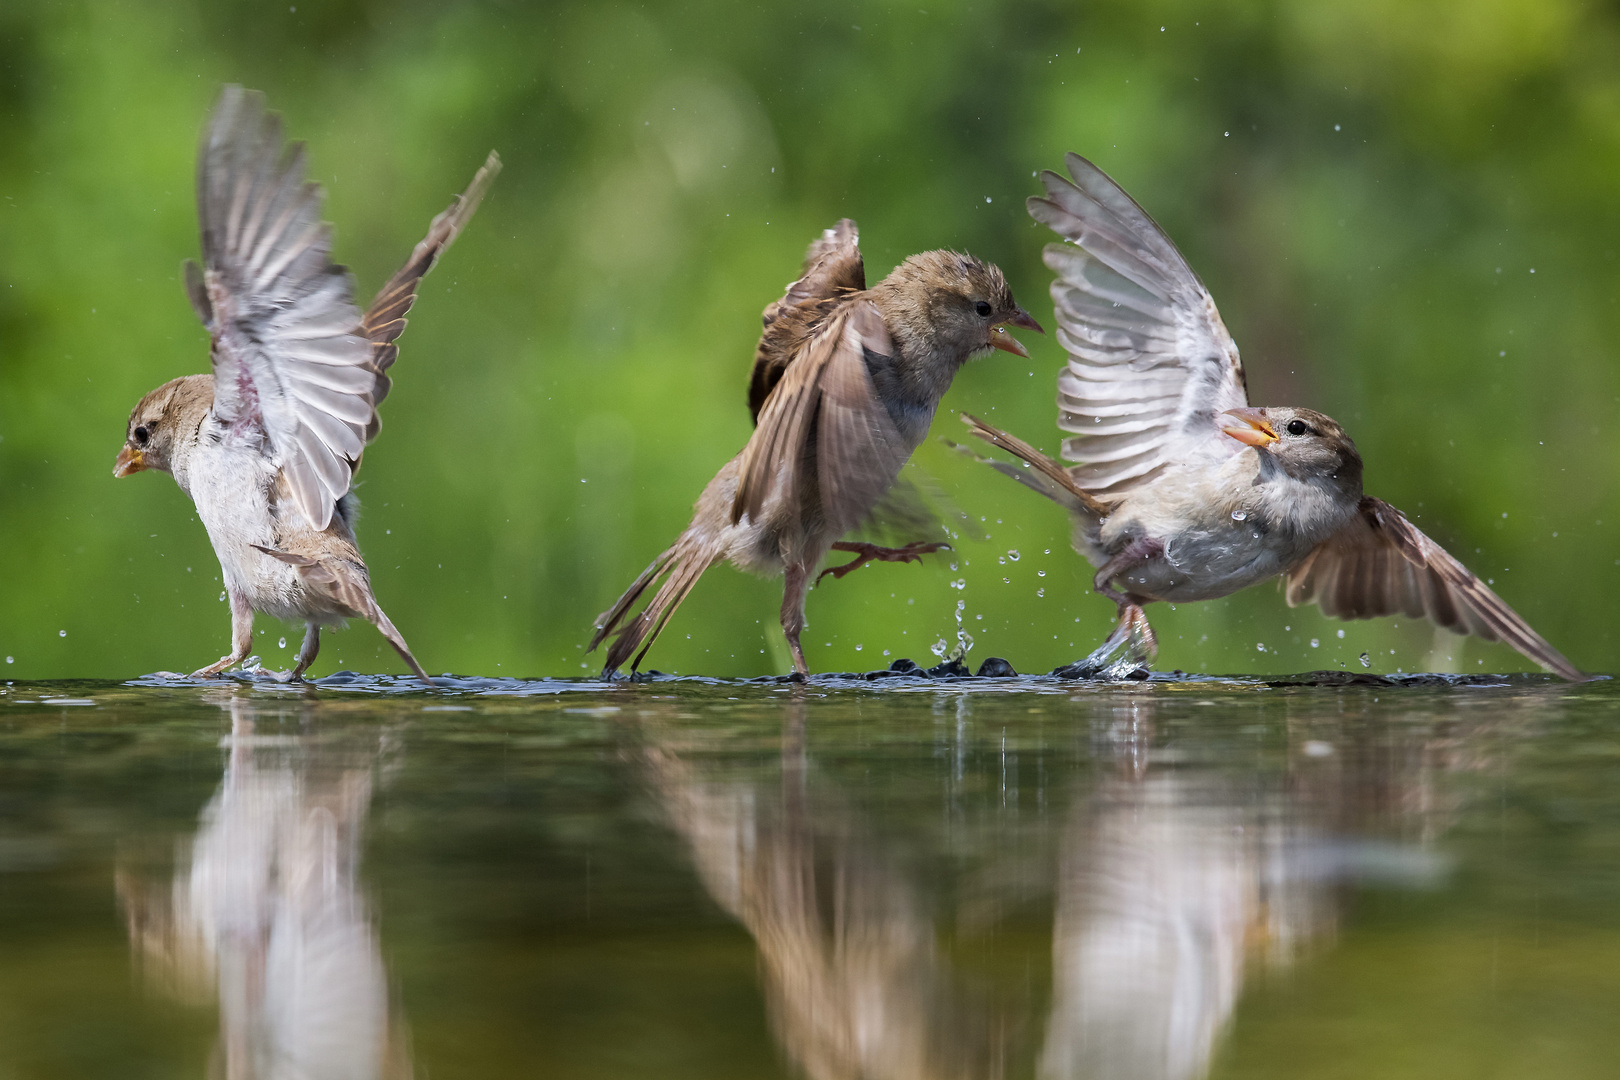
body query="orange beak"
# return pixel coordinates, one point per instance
(130, 460)
(1247, 426)
(1000, 339)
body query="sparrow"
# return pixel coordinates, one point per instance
(1182, 491)
(267, 445)
(845, 383)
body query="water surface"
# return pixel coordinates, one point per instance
(898, 878)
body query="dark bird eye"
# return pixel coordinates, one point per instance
(142, 435)
(1298, 427)
(983, 309)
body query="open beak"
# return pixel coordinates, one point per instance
(1247, 426)
(130, 460)
(1001, 339)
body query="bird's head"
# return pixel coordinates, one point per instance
(159, 420)
(951, 306)
(1302, 442)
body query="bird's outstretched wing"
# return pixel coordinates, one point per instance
(1381, 564)
(825, 439)
(1150, 362)
(295, 364)
(385, 320)
(832, 268)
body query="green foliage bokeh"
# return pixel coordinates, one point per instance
(1407, 213)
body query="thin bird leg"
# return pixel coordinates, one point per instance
(865, 553)
(308, 651)
(387, 630)
(241, 636)
(793, 591)
(1132, 644)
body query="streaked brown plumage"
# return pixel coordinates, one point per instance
(268, 444)
(845, 383)
(1179, 490)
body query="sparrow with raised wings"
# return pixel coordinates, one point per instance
(268, 444)
(1179, 489)
(845, 383)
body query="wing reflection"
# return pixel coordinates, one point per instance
(1174, 882)
(265, 914)
(853, 982)
(1169, 883)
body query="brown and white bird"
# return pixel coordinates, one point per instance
(267, 445)
(845, 383)
(1179, 490)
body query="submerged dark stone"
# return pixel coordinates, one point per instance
(994, 667)
(904, 666)
(953, 668)
(1365, 678)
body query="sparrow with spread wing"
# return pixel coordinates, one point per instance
(1180, 490)
(268, 444)
(845, 383)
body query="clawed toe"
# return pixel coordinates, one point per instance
(865, 553)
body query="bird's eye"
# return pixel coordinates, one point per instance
(142, 435)
(983, 309)
(1298, 427)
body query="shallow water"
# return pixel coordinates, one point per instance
(892, 878)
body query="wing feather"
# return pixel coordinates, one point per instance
(825, 441)
(1147, 349)
(1381, 564)
(832, 268)
(295, 363)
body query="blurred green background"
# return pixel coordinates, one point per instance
(1407, 212)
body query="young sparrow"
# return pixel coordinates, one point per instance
(1180, 491)
(267, 445)
(845, 383)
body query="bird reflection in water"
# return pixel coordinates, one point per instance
(265, 913)
(852, 978)
(1169, 884)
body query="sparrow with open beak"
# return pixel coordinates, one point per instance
(267, 445)
(1179, 489)
(845, 383)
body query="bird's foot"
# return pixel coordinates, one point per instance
(218, 666)
(865, 553)
(1125, 655)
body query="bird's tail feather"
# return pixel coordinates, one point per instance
(1045, 475)
(340, 581)
(684, 563)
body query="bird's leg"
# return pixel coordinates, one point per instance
(793, 590)
(307, 652)
(241, 636)
(865, 553)
(1132, 644)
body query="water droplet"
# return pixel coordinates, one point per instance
(959, 583)
(1316, 643)
(1001, 559)
(1239, 515)
(11, 659)
(1260, 646)
(61, 633)
(1012, 553)
(1364, 661)
(1040, 573)
(938, 648)
(282, 643)
(1341, 635)
(222, 597)
(1040, 592)
(858, 648)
